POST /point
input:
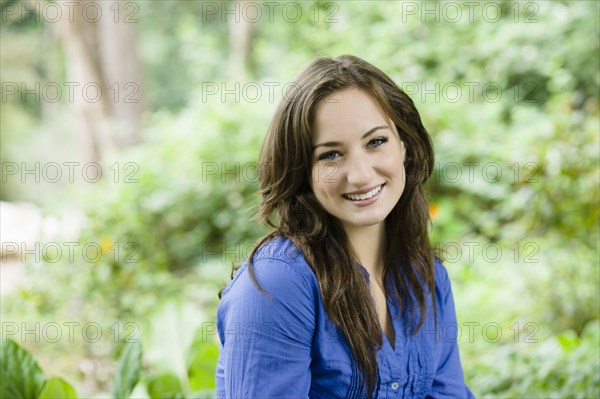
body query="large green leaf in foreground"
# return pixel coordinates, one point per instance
(57, 388)
(128, 370)
(21, 375)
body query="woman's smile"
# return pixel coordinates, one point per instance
(364, 197)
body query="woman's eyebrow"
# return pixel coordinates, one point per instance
(364, 136)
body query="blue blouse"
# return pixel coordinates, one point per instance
(287, 347)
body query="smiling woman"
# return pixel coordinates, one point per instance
(344, 298)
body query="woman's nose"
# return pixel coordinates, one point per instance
(359, 172)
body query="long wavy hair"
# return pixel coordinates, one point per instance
(290, 208)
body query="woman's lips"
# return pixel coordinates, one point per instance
(365, 198)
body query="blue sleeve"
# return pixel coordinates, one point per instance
(449, 380)
(265, 343)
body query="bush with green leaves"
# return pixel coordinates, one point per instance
(566, 365)
(22, 377)
(192, 199)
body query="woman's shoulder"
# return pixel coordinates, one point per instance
(441, 273)
(443, 284)
(279, 248)
(278, 265)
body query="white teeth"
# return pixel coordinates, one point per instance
(361, 197)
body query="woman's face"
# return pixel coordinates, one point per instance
(358, 159)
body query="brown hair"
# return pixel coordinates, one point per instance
(291, 209)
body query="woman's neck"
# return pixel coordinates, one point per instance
(368, 246)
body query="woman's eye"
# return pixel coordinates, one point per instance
(377, 142)
(329, 156)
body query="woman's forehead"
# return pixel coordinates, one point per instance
(347, 112)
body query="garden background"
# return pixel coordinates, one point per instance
(130, 132)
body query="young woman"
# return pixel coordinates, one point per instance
(344, 299)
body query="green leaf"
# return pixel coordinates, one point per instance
(202, 360)
(57, 388)
(128, 370)
(21, 375)
(568, 340)
(165, 386)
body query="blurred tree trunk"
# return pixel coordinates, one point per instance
(241, 28)
(122, 70)
(103, 66)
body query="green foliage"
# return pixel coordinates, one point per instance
(128, 370)
(202, 358)
(191, 201)
(563, 366)
(189, 47)
(58, 388)
(22, 378)
(199, 378)
(165, 386)
(21, 375)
